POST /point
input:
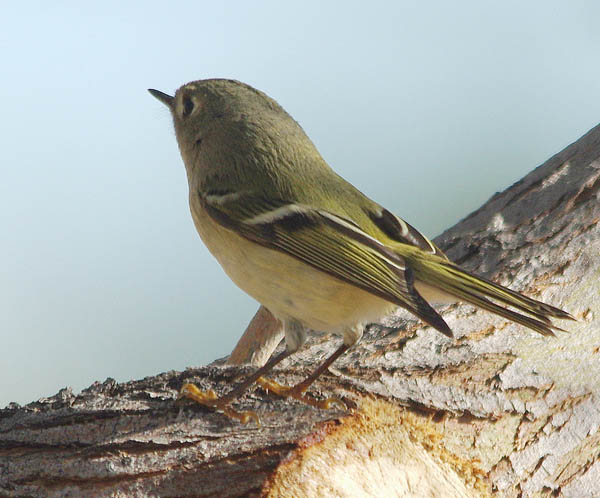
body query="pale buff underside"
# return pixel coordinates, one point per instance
(290, 288)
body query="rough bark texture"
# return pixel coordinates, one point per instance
(497, 410)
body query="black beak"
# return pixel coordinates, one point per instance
(163, 97)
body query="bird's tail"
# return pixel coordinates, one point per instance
(450, 279)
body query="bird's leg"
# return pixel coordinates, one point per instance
(209, 398)
(297, 391)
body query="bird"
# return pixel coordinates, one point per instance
(304, 242)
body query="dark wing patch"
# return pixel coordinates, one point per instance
(399, 230)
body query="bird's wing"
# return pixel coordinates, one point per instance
(398, 230)
(326, 241)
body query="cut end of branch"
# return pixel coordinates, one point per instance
(380, 450)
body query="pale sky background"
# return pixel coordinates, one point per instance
(427, 106)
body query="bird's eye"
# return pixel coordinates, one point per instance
(188, 106)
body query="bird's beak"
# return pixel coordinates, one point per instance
(163, 97)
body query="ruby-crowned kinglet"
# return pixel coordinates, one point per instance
(303, 241)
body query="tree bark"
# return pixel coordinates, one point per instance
(496, 410)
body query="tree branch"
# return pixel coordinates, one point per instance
(498, 409)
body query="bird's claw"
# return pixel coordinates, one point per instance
(297, 392)
(210, 399)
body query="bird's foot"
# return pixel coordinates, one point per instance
(209, 398)
(298, 392)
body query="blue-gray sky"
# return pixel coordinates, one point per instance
(428, 107)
